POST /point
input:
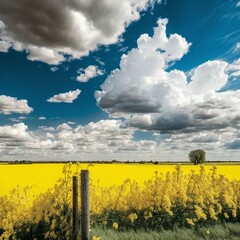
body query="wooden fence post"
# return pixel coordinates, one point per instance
(85, 217)
(75, 219)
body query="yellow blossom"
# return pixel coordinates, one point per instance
(234, 213)
(190, 221)
(133, 217)
(212, 213)
(226, 215)
(96, 238)
(115, 225)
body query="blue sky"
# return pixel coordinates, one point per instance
(127, 80)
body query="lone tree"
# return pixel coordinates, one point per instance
(197, 156)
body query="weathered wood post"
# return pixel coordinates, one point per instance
(85, 217)
(75, 219)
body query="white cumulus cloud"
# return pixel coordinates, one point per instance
(45, 55)
(67, 97)
(17, 132)
(4, 46)
(234, 68)
(142, 85)
(90, 72)
(150, 97)
(10, 105)
(106, 139)
(208, 76)
(42, 118)
(142, 78)
(111, 139)
(48, 30)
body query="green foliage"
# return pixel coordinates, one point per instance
(197, 156)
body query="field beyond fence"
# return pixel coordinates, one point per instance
(41, 177)
(123, 198)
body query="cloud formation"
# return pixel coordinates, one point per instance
(48, 30)
(42, 118)
(67, 97)
(4, 46)
(234, 68)
(90, 72)
(106, 136)
(10, 105)
(142, 78)
(110, 139)
(15, 133)
(150, 97)
(209, 76)
(45, 55)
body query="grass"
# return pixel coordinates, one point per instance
(230, 231)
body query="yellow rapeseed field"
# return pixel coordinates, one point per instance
(122, 196)
(41, 177)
